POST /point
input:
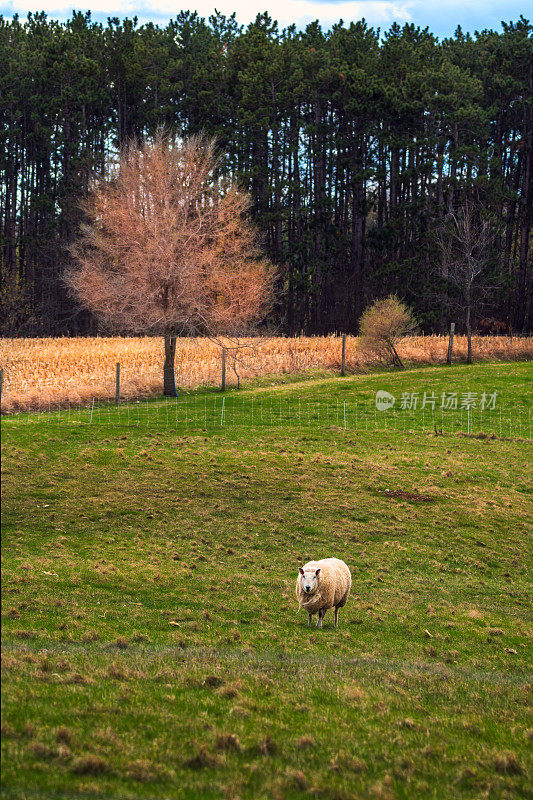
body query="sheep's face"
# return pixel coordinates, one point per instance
(309, 580)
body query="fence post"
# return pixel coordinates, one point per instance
(117, 386)
(343, 357)
(1, 382)
(223, 387)
(450, 343)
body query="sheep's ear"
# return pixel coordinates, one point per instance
(300, 570)
(316, 573)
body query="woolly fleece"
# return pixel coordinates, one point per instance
(334, 584)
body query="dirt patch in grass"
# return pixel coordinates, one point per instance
(89, 765)
(42, 750)
(7, 730)
(213, 681)
(413, 497)
(266, 747)
(228, 742)
(142, 770)
(507, 764)
(64, 736)
(305, 742)
(201, 759)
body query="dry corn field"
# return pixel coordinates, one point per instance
(41, 373)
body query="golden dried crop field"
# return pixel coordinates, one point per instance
(40, 373)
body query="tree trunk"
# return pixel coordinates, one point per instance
(357, 233)
(169, 384)
(469, 334)
(525, 223)
(396, 360)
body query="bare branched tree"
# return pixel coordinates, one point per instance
(167, 249)
(464, 240)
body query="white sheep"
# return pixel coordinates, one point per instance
(321, 585)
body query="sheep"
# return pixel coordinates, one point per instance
(321, 585)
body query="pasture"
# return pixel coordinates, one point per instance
(151, 643)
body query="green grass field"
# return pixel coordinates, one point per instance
(151, 643)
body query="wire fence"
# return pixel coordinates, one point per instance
(214, 412)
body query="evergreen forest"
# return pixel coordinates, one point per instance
(357, 147)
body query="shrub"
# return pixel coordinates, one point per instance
(381, 327)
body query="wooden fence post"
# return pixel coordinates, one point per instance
(223, 387)
(117, 386)
(1, 383)
(450, 343)
(343, 357)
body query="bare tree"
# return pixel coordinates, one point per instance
(464, 240)
(167, 249)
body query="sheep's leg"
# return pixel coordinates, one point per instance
(321, 615)
(310, 620)
(336, 615)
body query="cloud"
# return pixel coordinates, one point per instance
(376, 12)
(63, 8)
(442, 18)
(286, 12)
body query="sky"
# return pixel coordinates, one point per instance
(441, 16)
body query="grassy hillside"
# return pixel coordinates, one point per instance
(151, 642)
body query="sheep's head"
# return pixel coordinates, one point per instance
(309, 580)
